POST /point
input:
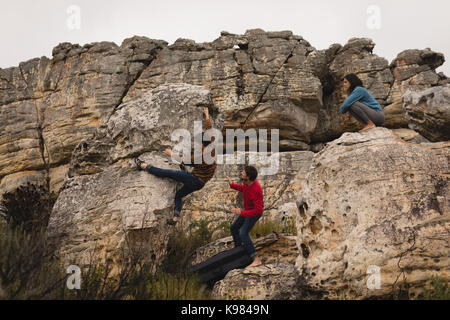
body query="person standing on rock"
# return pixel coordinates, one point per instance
(361, 104)
(253, 209)
(192, 181)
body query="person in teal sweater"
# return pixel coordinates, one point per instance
(361, 104)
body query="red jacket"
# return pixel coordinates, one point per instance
(253, 198)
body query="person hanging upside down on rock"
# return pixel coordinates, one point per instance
(192, 181)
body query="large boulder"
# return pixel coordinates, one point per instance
(269, 282)
(374, 205)
(428, 112)
(92, 82)
(413, 70)
(258, 80)
(275, 280)
(107, 204)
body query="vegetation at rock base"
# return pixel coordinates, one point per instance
(30, 269)
(27, 268)
(29, 206)
(265, 227)
(438, 290)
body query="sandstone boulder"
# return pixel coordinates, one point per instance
(107, 204)
(428, 112)
(374, 203)
(268, 282)
(275, 280)
(49, 105)
(413, 70)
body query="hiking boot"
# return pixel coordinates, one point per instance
(138, 163)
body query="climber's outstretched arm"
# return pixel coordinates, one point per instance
(192, 159)
(235, 186)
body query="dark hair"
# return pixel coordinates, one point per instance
(251, 172)
(354, 82)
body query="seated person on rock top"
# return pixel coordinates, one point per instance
(361, 104)
(192, 181)
(253, 209)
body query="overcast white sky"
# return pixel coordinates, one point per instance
(31, 29)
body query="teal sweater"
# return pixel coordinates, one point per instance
(362, 95)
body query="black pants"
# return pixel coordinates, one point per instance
(364, 113)
(240, 230)
(190, 182)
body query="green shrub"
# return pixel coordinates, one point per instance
(265, 227)
(27, 268)
(30, 270)
(439, 290)
(29, 206)
(183, 244)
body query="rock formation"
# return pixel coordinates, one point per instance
(276, 279)
(107, 201)
(428, 112)
(257, 80)
(75, 122)
(373, 199)
(49, 105)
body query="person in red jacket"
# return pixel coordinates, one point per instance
(253, 209)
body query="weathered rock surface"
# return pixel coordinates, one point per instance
(278, 80)
(107, 203)
(76, 121)
(412, 70)
(409, 135)
(276, 279)
(428, 112)
(257, 80)
(267, 282)
(261, 83)
(49, 105)
(373, 199)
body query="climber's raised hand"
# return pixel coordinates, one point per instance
(206, 112)
(229, 180)
(168, 152)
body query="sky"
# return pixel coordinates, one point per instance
(30, 29)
